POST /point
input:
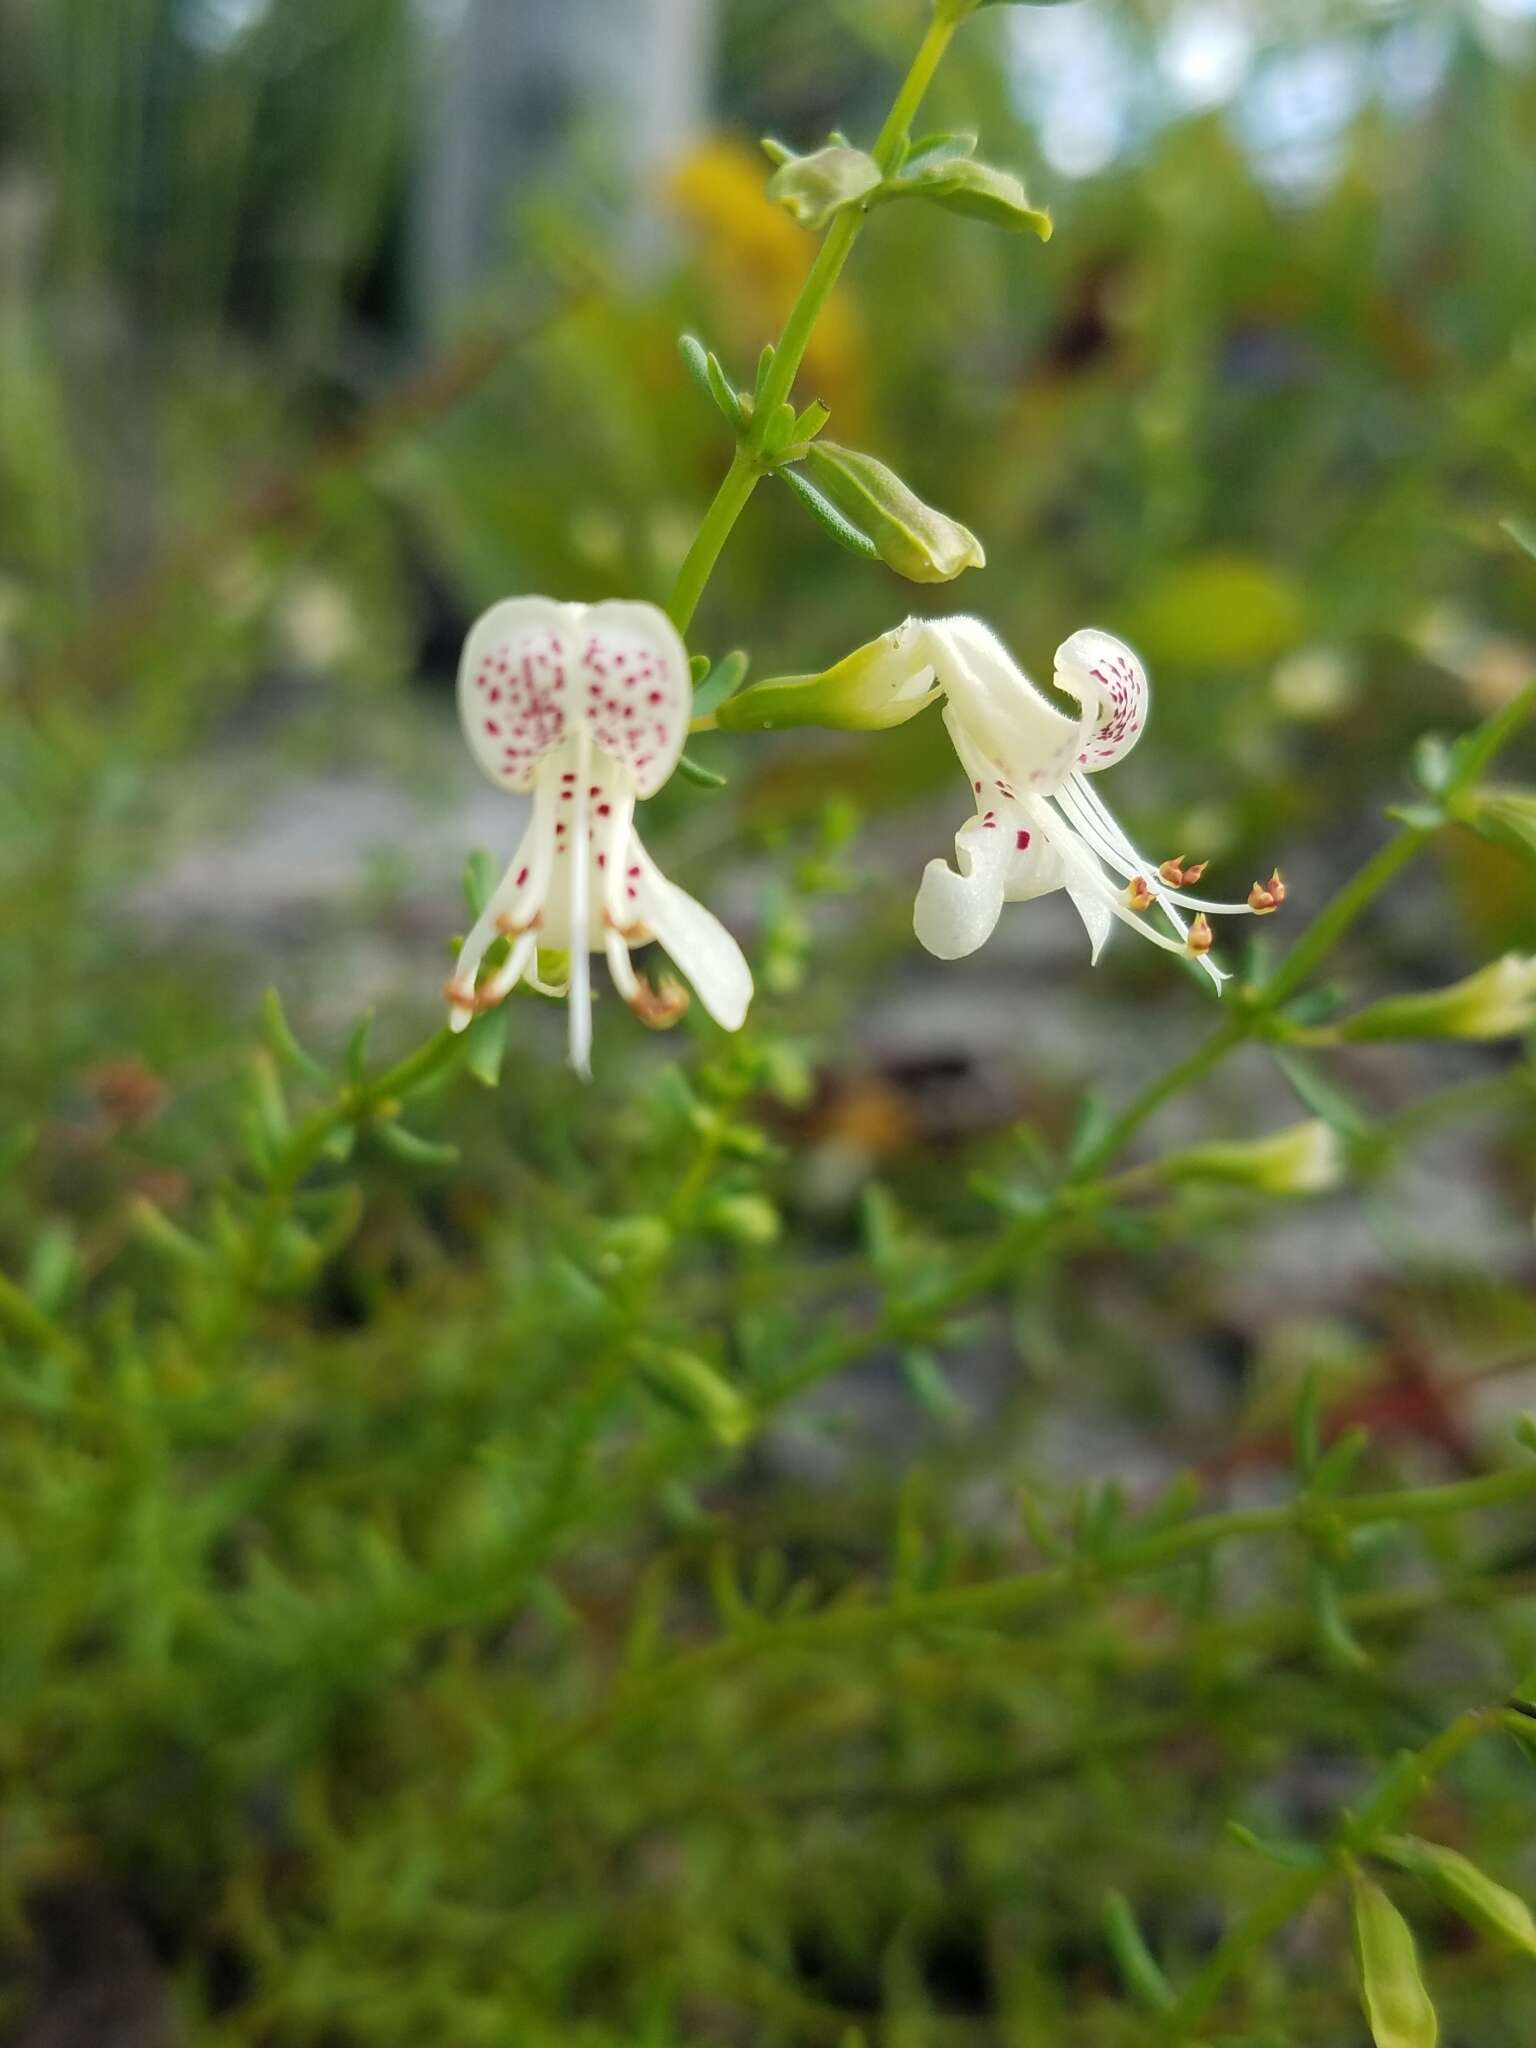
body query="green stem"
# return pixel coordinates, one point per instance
(1342, 911)
(1484, 745)
(747, 464)
(1315, 944)
(1192, 1068)
(1008, 1598)
(727, 506)
(353, 1104)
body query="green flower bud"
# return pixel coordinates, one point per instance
(1391, 1989)
(1506, 816)
(815, 187)
(1499, 1001)
(881, 684)
(695, 1389)
(1464, 1888)
(910, 537)
(744, 1219)
(1303, 1159)
(634, 1241)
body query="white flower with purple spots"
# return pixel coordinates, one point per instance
(1039, 824)
(585, 707)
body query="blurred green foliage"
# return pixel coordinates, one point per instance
(601, 1591)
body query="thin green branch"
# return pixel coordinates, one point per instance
(1006, 1599)
(747, 465)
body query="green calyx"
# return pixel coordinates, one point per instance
(909, 536)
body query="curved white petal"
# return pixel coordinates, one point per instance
(1091, 895)
(534, 672)
(635, 687)
(516, 696)
(695, 939)
(1034, 867)
(1109, 682)
(998, 706)
(514, 905)
(957, 912)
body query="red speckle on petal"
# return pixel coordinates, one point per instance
(493, 728)
(1021, 841)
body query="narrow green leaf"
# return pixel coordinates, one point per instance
(266, 1095)
(1095, 1117)
(1320, 1093)
(811, 421)
(156, 1228)
(722, 681)
(357, 1049)
(1139, 1970)
(723, 391)
(694, 772)
(485, 1046)
(696, 361)
(1397, 2006)
(930, 1388)
(1288, 1855)
(1522, 532)
(704, 367)
(1431, 762)
(778, 431)
(1338, 1462)
(281, 1041)
(1333, 1635)
(413, 1150)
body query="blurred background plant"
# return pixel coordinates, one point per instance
(704, 1558)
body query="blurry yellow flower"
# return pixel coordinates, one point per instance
(318, 624)
(755, 259)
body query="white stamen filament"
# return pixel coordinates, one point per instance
(580, 997)
(1087, 811)
(615, 852)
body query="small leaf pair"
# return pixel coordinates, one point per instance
(942, 169)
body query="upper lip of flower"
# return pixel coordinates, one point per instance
(587, 707)
(1040, 824)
